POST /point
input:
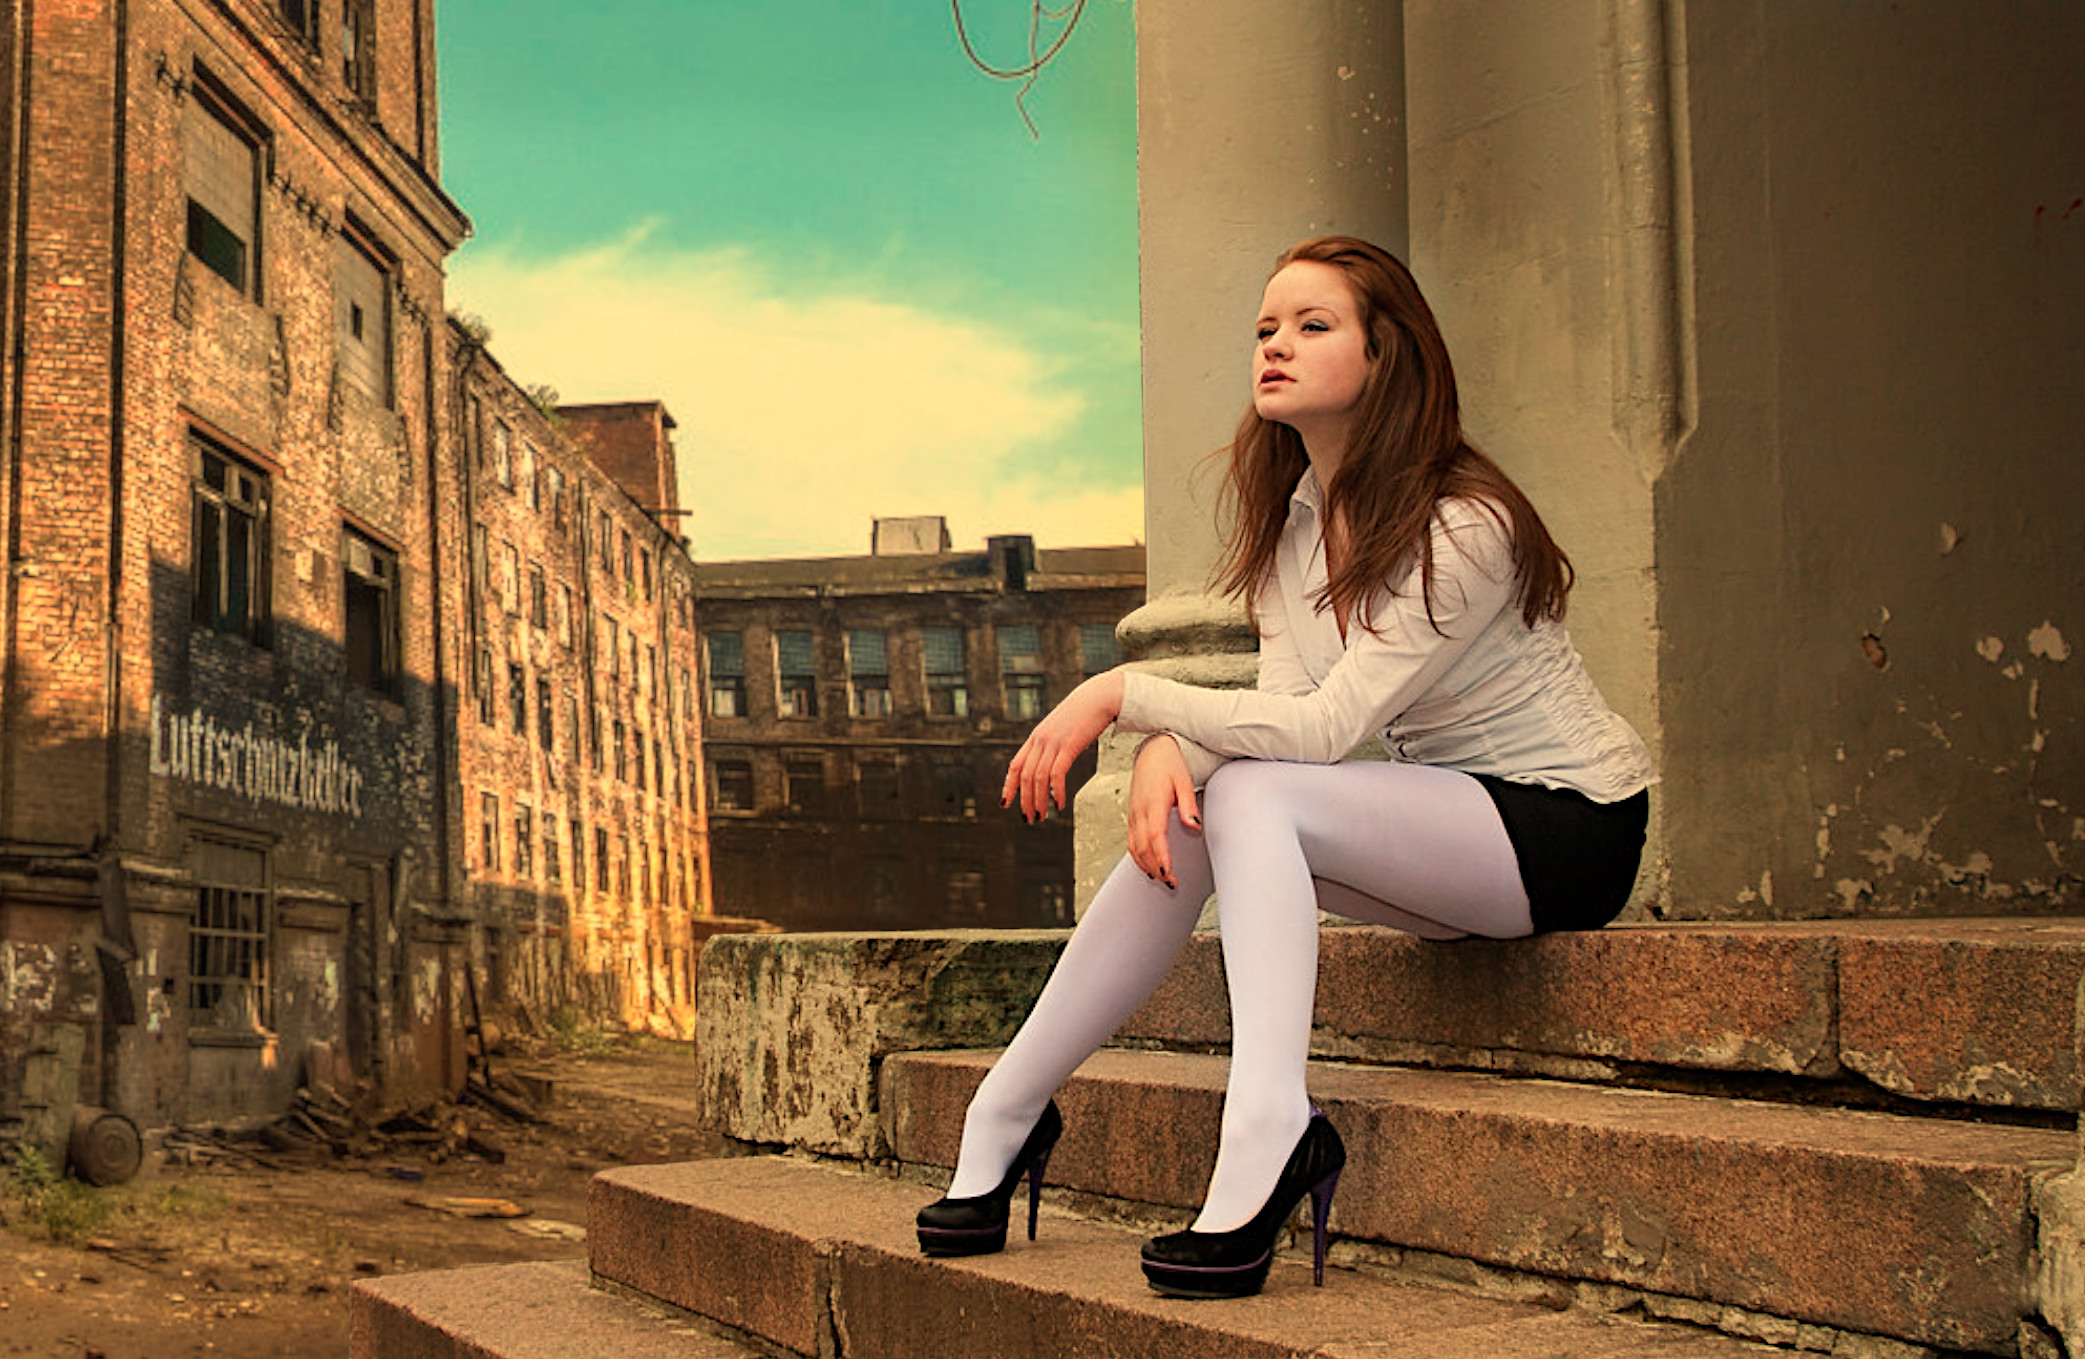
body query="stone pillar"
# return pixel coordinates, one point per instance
(1257, 126)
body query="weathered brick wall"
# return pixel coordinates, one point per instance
(623, 950)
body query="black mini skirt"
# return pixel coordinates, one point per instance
(1578, 858)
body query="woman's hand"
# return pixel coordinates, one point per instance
(1039, 766)
(1159, 784)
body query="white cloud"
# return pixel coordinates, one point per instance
(801, 416)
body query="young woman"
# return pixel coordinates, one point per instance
(1403, 589)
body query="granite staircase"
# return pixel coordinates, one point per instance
(1857, 1139)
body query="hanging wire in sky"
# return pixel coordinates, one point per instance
(1039, 14)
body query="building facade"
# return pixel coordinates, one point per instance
(860, 715)
(253, 622)
(581, 740)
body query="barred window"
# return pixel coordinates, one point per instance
(868, 672)
(228, 939)
(796, 669)
(222, 159)
(231, 523)
(726, 653)
(948, 688)
(1021, 670)
(1098, 649)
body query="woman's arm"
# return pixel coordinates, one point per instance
(1382, 673)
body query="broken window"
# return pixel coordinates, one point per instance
(524, 841)
(734, 786)
(358, 49)
(868, 672)
(948, 688)
(222, 175)
(371, 630)
(1021, 670)
(796, 669)
(230, 547)
(726, 654)
(363, 291)
(228, 939)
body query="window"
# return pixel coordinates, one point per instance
(510, 578)
(593, 737)
(955, 788)
(578, 853)
(371, 588)
(622, 864)
(651, 672)
(363, 292)
(488, 700)
(228, 939)
(644, 571)
(796, 669)
(1021, 670)
(572, 718)
(637, 749)
(868, 673)
(230, 548)
(1045, 902)
(524, 842)
(734, 786)
(222, 176)
(503, 454)
(517, 697)
(554, 495)
(948, 691)
(538, 597)
(358, 48)
(302, 16)
(489, 831)
(564, 614)
(1098, 649)
(726, 653)
(882, 878)
(878, 789)
(622, 752)
(629, 564)
(546, 721)
(553, 871)
(605, 532)
(803, 784)
(600, 858)
(612, 640)
(963, 889)
(531, 476)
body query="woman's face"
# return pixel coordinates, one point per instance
(1311, 360)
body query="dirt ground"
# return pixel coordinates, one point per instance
(237, 1261)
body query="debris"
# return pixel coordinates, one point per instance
(549, 1229)
(464, 1207)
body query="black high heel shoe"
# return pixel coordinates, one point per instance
(1234, 1264)
(977, 1226)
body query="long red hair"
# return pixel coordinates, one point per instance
(1405, 454)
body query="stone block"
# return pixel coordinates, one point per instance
(792, 1027)
(521, 1311)
(1712, 998)
(1918, 1229)
(1984, 1013)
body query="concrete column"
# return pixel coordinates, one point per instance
(1257, 126)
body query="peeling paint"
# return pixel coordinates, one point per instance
(1852, 890)
(1990, 648)
(28, 977)
(1950, 539)
(1899, 844)
(2047, 643)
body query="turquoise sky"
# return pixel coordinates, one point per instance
(809, 173)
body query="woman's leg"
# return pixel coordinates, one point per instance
(1117, 956)
(1398, 844)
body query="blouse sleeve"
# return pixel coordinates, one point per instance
(1384, 669)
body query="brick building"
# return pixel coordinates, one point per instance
(240, 630)
(581, 748)
(861, 712)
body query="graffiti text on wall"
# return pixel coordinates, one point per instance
(194, 748)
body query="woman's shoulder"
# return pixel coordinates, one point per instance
(1475, 526)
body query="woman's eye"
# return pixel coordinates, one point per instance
(1263, 332)
(1315, 325)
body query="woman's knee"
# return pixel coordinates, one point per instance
(1244, 791)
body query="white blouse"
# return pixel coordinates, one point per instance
(1484, 693)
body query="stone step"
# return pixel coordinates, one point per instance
(822, 1261)
(793, 1027)
(525, 1311)
(1915, 1228)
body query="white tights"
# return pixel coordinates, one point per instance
(1281, 842)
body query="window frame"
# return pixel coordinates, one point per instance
(379, 573)
(212, 101)
(255, 626)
